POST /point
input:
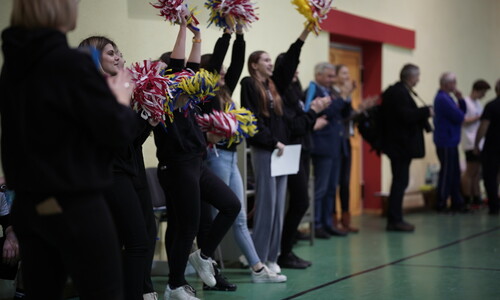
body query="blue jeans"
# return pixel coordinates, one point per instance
(326, 177)
(226, 167)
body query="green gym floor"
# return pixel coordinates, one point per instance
(447, 257)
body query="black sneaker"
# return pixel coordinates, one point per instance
(222, 283)
(288, 261)
(306, 262)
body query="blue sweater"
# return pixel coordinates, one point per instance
(448, 119)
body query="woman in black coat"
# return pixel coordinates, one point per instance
(128, 197)
(59, 130)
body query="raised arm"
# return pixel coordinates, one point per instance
(284, 72)
(237, 61)
(195, 54)
(179, 51)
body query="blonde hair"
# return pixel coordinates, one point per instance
(42, 13)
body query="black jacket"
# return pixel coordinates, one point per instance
(60, 121)
(274, 128)
(300, 123)
(402, 123)
(183, 138)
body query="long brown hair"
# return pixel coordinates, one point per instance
(263, 95)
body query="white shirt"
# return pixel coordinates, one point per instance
(474, 109)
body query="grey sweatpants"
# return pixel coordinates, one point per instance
(269, 206)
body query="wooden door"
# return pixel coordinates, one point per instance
(351, 57)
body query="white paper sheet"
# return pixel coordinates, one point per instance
(286, 164)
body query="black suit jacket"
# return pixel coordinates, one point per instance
(402, 123)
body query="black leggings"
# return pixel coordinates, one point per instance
(298, 202)
(80, 242)
(186, 183)
(126, 210)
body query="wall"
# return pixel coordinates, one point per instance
(455, 35)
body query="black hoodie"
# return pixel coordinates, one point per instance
(60, 121)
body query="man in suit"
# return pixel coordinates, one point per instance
(328, 146)
(402, 139)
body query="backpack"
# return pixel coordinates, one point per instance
(369, 125)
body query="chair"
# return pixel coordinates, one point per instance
(160, 268)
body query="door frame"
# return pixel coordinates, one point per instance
(369, 35)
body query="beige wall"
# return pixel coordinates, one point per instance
(455, 35)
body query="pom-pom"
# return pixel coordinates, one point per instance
(227, 13)
(219, 123)
(150, 90)
(199, 87)
(247, 123)
(315, 12)
(171, 10)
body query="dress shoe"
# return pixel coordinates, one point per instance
(401, 226)
(288, 261)
(335, 231)
(306, 262)
(221, 283)
(320, 233)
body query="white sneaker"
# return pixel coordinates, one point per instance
(266, 275)
(204, 268)
(243, 260)
(273, 267)
(150, 296)
(185, 292)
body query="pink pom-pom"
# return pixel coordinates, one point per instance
(171, 10)
(218, 123)
(150, 90)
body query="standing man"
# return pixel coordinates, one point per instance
(402, 139)
(326, 150)
(490, 156)
(448, 120)
(472, 175)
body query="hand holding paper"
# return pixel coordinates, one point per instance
(288, 162)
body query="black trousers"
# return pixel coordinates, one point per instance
(187, 183)
(400, 167)
(449, 178)
(127, 212)
(298, 202)
(491, 167)
(80, 242)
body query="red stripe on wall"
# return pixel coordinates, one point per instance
(353, 26)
